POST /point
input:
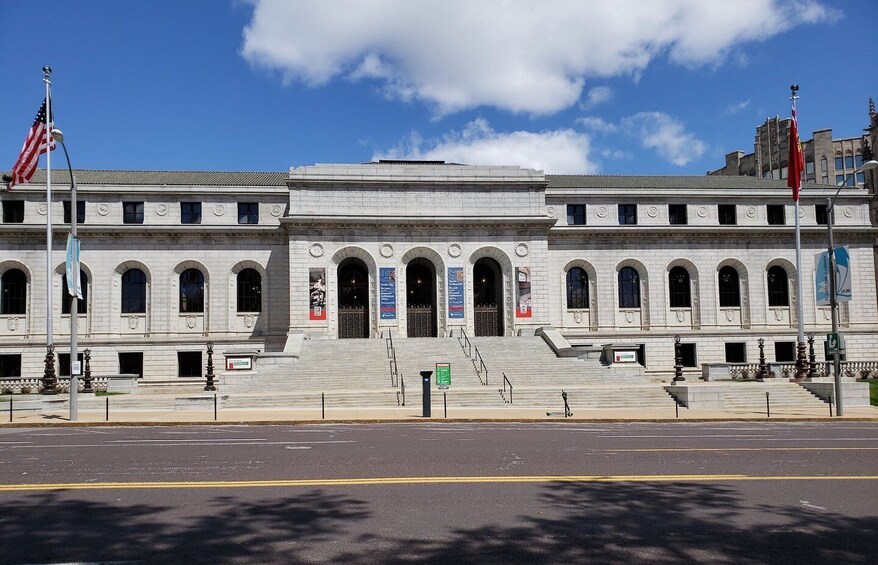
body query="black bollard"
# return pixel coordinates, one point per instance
(425, 384)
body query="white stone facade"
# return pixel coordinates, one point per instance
(433, 221)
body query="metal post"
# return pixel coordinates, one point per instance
(50, 381)
(86, 378)
(322, 405)
(209, 386)
(833, 306)
(74, 300)
(678, 361)
(445, 402)
(762, 368)
(107, 417)
(812, 360)
(10, 407)
(767, 405)
(214, 407)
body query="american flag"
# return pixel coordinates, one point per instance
(34, 146)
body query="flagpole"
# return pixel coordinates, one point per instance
(800, 307)
(50, 381)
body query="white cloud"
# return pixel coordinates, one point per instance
(597, 124)
(597, 96)
(517, 55)
(664, 134)
(733, 109)
(555, 152)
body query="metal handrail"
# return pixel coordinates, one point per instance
(506, 382)
(391, 354)
(402, 388)
(477, 361)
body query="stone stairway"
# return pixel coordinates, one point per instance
(530, 362)
(594, 397)
(781, 394)
(414, 355)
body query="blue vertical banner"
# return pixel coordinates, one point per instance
(456, 293)
(842, 277)
(74, 284)
(387, 292)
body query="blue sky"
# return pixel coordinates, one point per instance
(619, 87)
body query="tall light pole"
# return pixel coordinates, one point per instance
(74, 301)
(833, 298)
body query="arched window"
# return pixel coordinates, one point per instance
(577, 288)
(249, 291)
(729, 288)
(678, 284)
(13, 292)
(192, 291)
(778, 287)
(66, 299)
(133, 292)
(629, 288)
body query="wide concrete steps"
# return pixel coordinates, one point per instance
(752, 395)
(414, 355)
(316, 400)
(594, 397)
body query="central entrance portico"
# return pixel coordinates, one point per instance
(420, 280)
(488, 297)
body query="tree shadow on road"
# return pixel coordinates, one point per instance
(55, 526)
(605, 523)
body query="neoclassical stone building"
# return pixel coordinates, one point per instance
(257, 261)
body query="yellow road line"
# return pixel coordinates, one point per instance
(366, 481)
(655, 449)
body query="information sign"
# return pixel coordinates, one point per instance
(443, 375)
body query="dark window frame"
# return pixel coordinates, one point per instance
(576, 214)
(129, 360)
(727, 214)
(190, 212)
(776, 214)
(629, 288)
(820, 215)
(678, 214)
(688, 355)
(80, 211)
(10, 365)
(132, 212)
(784, 351)
(729, 284)
(736, 352)
(13, 211)
(13, 292)
(249, 292)
(66, 299)
(777, 282)
(64, 363)
(248, 212)
(134, 291)
(627, 214)
(186, 364)
(577, 289)
(192, 292)
(679, 288)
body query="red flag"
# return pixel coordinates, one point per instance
(34, 146)
(796, 160)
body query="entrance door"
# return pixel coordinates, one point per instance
(487, 297)
(420, 298)
(353, 299)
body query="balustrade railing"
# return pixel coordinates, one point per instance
(471, 351)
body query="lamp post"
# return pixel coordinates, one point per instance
(678, 361)
(74, 302)
(833, 299)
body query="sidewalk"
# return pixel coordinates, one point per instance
(409, 414)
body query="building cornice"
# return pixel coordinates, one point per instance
(420, 222)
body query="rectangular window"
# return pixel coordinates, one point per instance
(861, 178)
(190, 212)
(858, 161)
(838, 163)
(80, 212)
(784, 351)
(809, 167)
(727, 214)
(131, 364)
(189, 364)
(736, 353)
(64, 364)
(248, 212)
(576, 214)
(820, 214)
(10, 366)
(677, 215)
(687, 355)
(849, 162)
(627, 214)
(13, 211)
(776, 214)
(132, 212)
(839, 179)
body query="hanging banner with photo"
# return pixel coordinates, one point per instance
(456, 290)
(317, 283)
(74, 284)
(842, 276)
(522, 306)
(387, 292)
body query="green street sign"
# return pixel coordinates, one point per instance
(834, 343)
(443, 375)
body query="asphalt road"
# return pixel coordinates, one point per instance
(756, 492)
